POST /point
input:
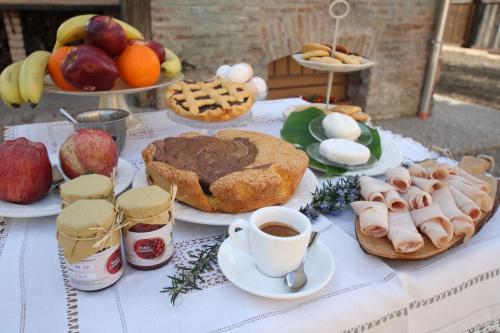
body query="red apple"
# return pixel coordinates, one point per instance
(88, 151)
(25, 171)
(89, 68)
(155, 46)
(103, 32)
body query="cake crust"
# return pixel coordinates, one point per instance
(271, 179)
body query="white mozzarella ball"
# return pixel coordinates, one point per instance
(223, 71)
(340, 126)
(239, 73)
(344, 151)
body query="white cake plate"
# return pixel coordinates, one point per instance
(301, 197)
(339, 68)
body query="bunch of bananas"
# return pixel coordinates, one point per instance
(23, 81)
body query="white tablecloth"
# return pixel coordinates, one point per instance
(452, 292)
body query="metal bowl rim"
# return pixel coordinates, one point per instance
(103, 122)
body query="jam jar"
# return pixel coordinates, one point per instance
(147, 227)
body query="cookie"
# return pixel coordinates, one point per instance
(308, 47)
(348, 59)
(328, 60)
(360, 116)
(316, 53)
(347, 109)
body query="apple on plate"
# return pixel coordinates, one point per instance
(88, 151)
(103, 32)
(89, 68)
(25, 171)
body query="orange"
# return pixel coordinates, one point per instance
(55, 61)
(139, 66)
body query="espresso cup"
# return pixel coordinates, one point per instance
(274, 256)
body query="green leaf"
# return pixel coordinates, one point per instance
(296, 131)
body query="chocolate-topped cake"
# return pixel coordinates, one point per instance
(234, 171)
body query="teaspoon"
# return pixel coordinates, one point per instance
(297, 279)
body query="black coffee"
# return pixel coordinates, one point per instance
(278, 229)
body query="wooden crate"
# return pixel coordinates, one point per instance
(286, 78)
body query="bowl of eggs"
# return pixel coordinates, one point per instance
(242, 73)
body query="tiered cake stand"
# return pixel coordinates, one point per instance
(338, 10)
(115, 98)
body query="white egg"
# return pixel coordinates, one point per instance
(341, 126)
(239, 73)
(344, 151)
(222, 71)
(259, 84)
(252, 88)
(249, 68)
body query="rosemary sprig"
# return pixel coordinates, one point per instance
(187, 278)
(332, 197)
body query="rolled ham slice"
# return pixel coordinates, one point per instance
(434, 224)
(373, 217)
(440, 172)
(480, 197)
(403, 234)
(466, 205)
(462, 223)
(452, 170)
(399, 178)
(416, 198)
(427, 185)
(475, 181)
(416, 170)
(372, 188)
(394, 202)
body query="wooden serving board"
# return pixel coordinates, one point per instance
(382, 247)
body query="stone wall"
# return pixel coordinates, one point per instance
(395, 33)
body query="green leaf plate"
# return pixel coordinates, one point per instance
(296, 131)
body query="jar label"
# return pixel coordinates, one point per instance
(98, 271)
(149, 248)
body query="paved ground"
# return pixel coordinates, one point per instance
(470, 74)
(461, 127)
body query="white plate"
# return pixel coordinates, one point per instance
(391, 157)
(239, 268)
(51, 204)
(186, 213)
(340, 68)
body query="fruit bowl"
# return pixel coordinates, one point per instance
(120, 87)
(114, 98)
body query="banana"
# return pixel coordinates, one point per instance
(131, 31)
(72, 29)
(9, 85)
(172, 65)
(32, 75)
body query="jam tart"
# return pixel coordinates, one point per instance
(214, 100)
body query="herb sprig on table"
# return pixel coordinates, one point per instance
(187, 278)
(332, 197)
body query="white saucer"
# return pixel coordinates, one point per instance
(239, 268)
(301, 197)
(51, 204)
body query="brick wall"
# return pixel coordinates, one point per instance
(395, 33)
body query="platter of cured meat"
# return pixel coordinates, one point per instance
(422, 210)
